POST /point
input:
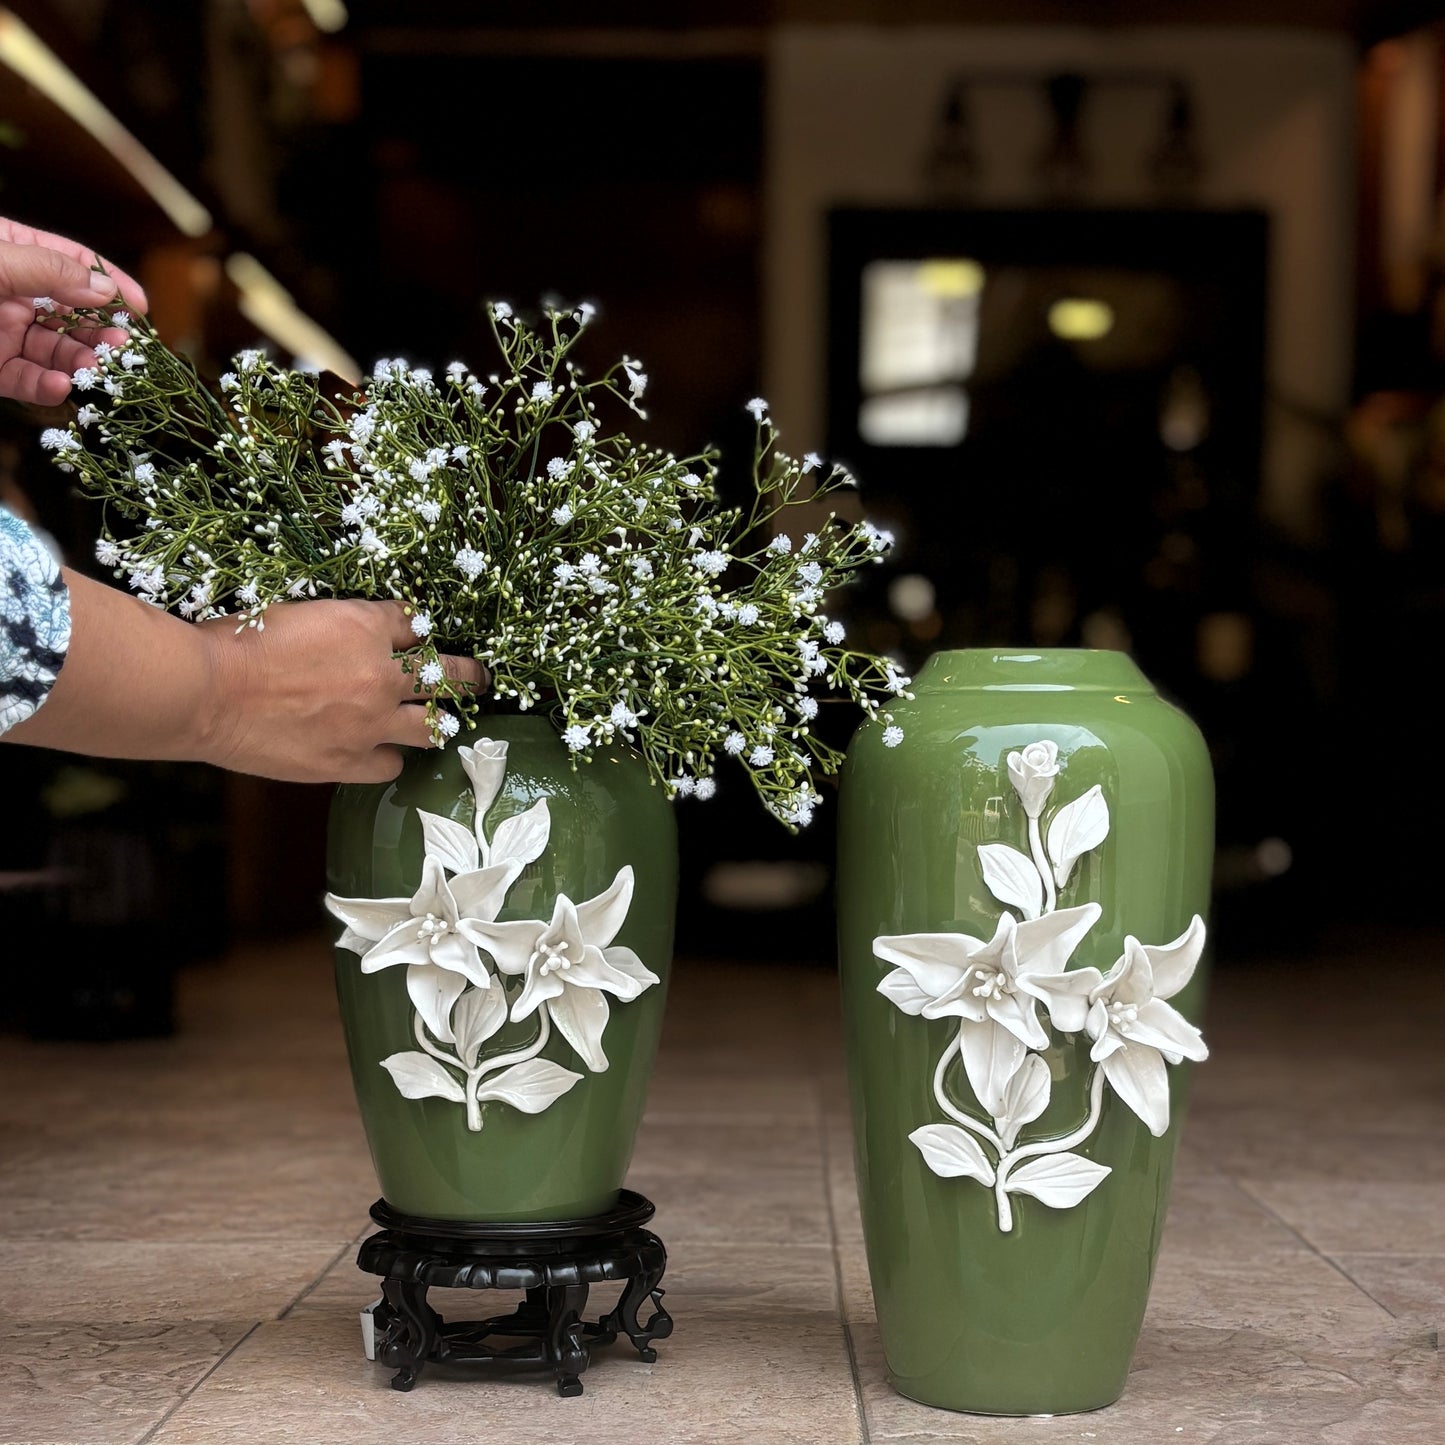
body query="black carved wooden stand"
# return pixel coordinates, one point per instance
(553, 1262)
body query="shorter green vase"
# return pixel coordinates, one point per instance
(517, 1149)
(1022, 882)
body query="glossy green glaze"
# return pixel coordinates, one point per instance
(1042, 1319)
(569, 1160)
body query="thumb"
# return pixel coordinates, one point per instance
(27, 272)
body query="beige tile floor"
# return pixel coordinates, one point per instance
(179, 1221)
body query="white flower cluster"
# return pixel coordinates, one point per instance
(596, 578)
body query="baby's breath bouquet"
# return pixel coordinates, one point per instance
(598, 579)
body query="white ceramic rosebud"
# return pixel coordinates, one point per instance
(1032, 772)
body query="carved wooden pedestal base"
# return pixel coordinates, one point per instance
(553, 1262)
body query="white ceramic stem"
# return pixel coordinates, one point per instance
(1048, 1146)
(957, 1115)
(500, 1062)
(419, 1029)
(1041, 862)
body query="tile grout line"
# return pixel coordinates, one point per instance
(1339, 1269)
(1396, 1253)
(194, 1390)
(216, 1365)
(346, 1247)
(864, 1434)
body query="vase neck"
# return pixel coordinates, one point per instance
(1044, 669)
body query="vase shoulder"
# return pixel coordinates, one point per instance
(1049, 669)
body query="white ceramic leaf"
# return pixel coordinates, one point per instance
(1026, 1097)
(1012, 878)
(523, 837)
(476, 1016)
(419, 1076)
(901, 988)
(449, 842)
(952, 1152)
(531, 1086)
(1058, 1180)
(1077, 827)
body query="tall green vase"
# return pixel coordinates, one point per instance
(502, 970)
(1022, 883)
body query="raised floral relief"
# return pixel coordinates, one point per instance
(995, 988)
(457, 956)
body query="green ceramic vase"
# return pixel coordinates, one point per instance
(502, 985)
(1022, 883)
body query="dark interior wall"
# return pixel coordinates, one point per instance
(631, 183)
(425, 160)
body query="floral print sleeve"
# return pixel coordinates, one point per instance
(34, 620)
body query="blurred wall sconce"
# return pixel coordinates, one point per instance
(1063, 167)
(951, 165)
(1176, 165)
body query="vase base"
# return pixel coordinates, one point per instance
(554, 1262)
(1008, 1412)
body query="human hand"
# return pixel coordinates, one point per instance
(36, 359)
(318, 696)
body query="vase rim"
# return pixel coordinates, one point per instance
(1031, 669)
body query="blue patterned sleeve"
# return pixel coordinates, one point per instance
(34, 620)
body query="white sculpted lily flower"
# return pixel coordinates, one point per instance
(432, 933)
(1032, 772)
(989, 986)
(569, 961)
(1133, 1029)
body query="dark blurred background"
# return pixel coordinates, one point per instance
(1129, 318)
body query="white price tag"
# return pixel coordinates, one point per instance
(368, 1330)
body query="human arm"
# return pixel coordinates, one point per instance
(317, 696)
(36, 360)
